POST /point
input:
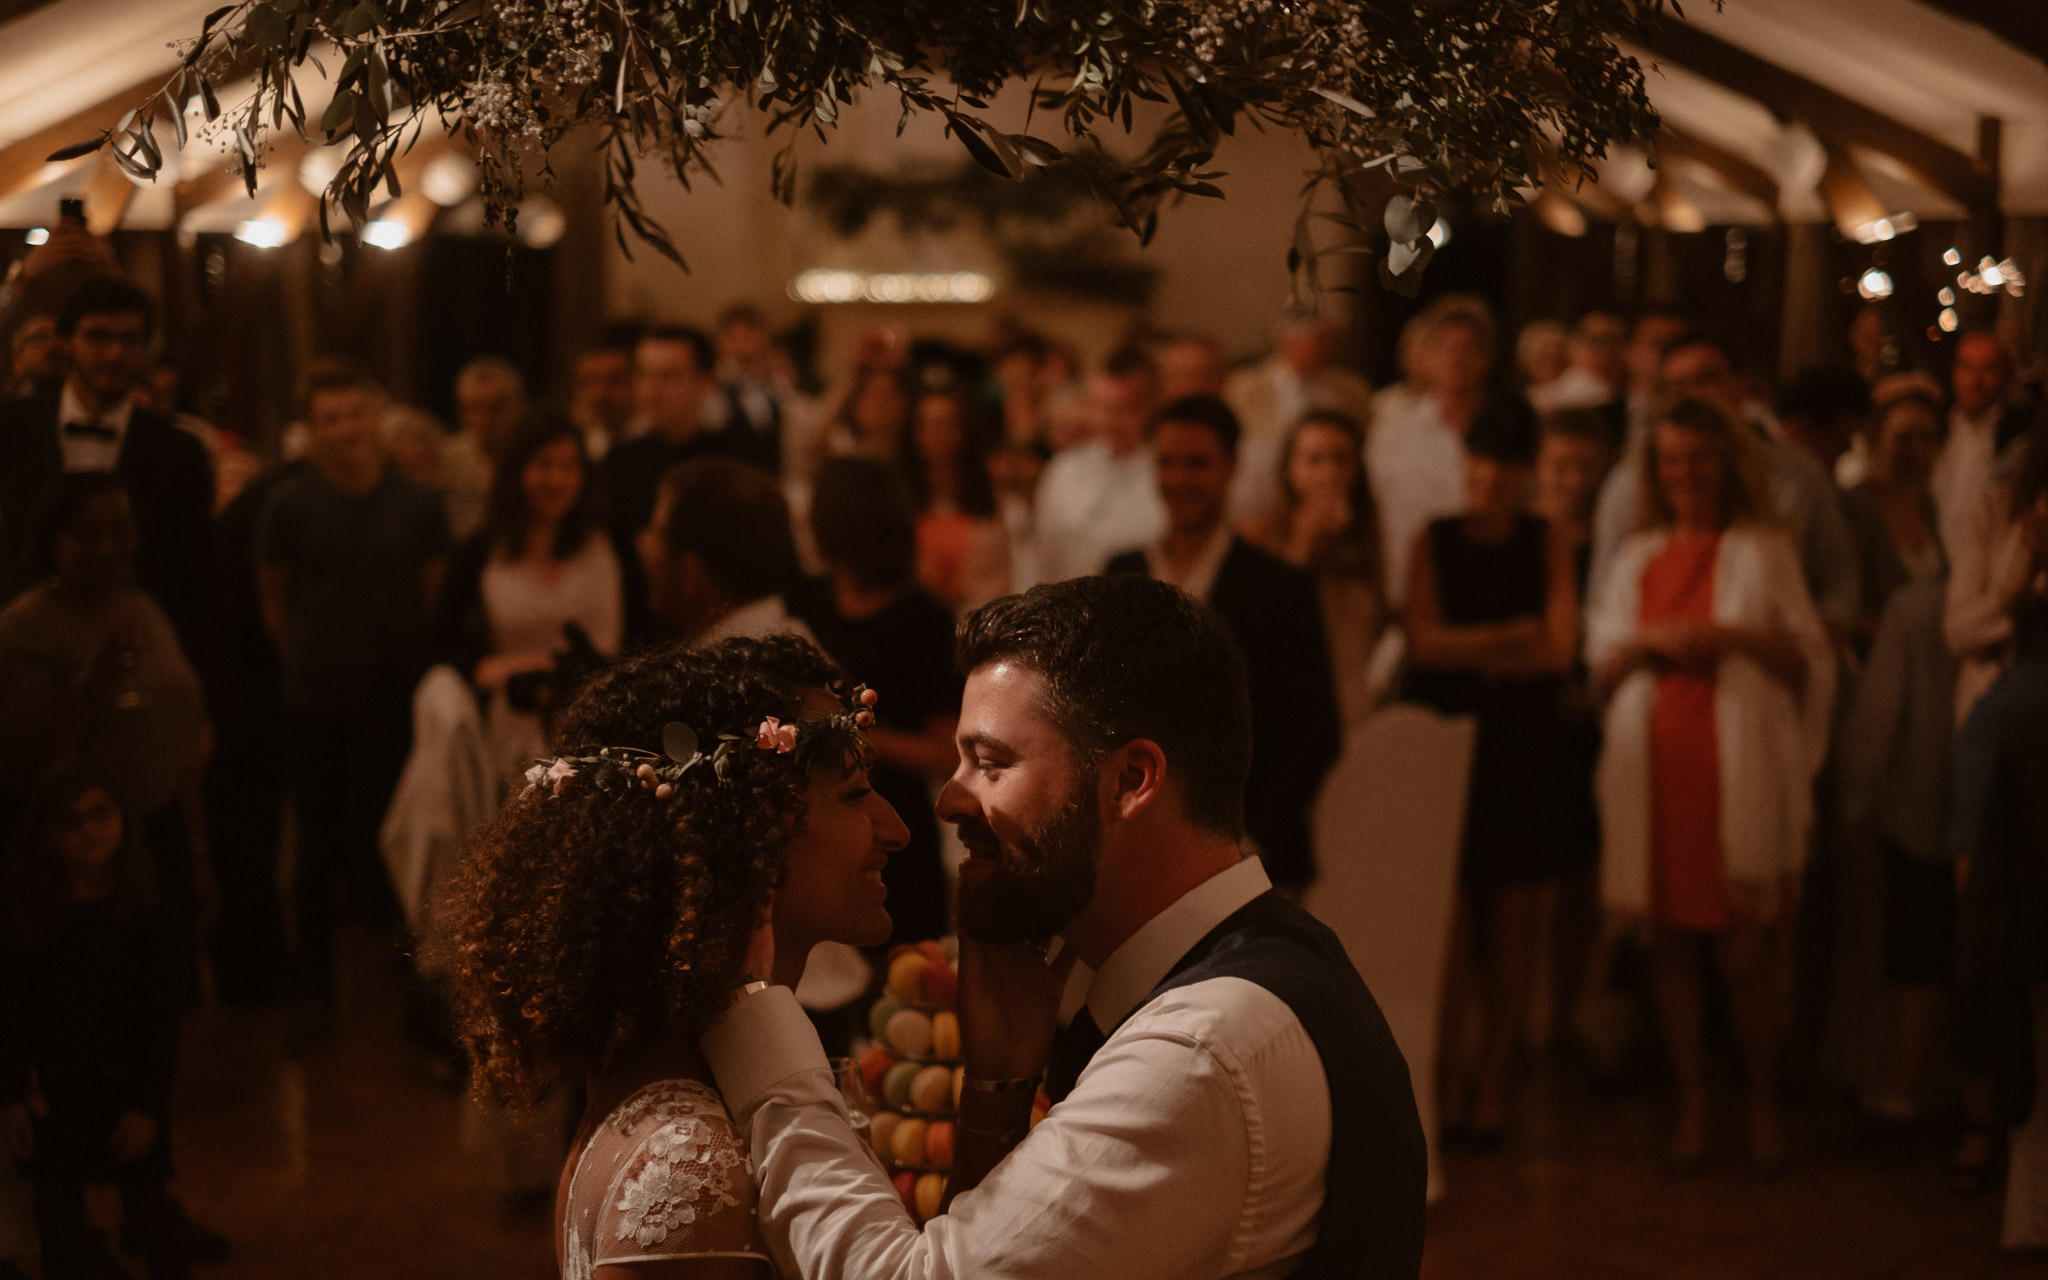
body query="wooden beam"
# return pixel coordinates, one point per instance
(1740, 174)
(1836, 118)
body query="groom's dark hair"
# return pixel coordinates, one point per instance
(1126, 657)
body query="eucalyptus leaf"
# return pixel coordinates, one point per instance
(679, 742)
(76, 150)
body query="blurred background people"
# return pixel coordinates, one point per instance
(351, 558)
(1327, 526)
(1098, 497)
(1271, 396)
(1270, 608)
(90, 668)
(601, 388)
(871, 615)
(89, 1025)
(963, 550)
(1413, 454)
(1492, 633)
(93, 424)
(490, 394)
(1721, 678)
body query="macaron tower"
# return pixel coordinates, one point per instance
(913, 1072)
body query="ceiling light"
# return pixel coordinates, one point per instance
(448, 178)
(1559, 214)
(264, 233)
(386, 234)
(38, 235)
(541, 222)
(1627, 170)
(318, 167)
(824, 285)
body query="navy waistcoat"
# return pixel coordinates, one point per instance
(1372, 1217)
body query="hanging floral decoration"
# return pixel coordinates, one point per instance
(1404, 101)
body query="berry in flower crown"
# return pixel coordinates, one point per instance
(619, 770)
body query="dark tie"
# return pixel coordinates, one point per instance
(1071, 1049)
(91, 431)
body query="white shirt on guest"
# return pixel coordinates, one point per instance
(1193, 1147)
(1416, 465)
(1093, 505)
(1200, 576)
(87, 452)
(1965, 468)
(761, 618)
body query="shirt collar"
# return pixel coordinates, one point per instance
(1984, 424)
(1201, 575)
(762, 617)
(71, 408)
(1147, 956)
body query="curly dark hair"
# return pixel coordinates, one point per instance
(586, 919)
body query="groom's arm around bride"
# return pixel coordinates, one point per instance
(1228, 1102)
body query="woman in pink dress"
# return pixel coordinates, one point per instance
(605, 918)
(1721, 676)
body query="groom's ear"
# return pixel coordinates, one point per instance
(1136, 777)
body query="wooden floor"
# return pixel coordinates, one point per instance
(347, 1164)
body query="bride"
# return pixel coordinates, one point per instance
(604, 920)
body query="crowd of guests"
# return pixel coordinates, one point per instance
(1722, 647)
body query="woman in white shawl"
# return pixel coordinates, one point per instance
(1720, 677)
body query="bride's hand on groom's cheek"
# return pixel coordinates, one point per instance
(1009, 1007)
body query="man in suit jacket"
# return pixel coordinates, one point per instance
(92, 423)
(1271, 610)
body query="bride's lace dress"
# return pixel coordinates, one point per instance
(663, 1176)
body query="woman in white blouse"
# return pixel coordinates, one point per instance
(540, 566)
(1721, 678)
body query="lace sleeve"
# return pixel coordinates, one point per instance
(664, 1176)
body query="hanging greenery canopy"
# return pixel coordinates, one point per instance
(1402, 100)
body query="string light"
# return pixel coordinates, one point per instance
(1948, 320)
(1947, 297)
(1953, 257)
(1874, 285)
(1994, 277)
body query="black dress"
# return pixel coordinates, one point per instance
(1522, 812)
(905, 653)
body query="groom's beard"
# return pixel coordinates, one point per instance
(1040, 883)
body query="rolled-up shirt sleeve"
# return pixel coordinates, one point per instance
(1166, 1161)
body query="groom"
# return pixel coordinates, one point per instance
(1228, 1102)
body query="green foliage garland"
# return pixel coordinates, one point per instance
(1420, 97)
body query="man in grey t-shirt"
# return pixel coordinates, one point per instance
(350, 556)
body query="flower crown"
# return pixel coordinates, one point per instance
(616, 771)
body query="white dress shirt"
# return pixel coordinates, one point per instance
(1200, 576)
(85, 452)
(765, 617)
(1193, 1146)
(1965, 468)
(1093, 505)
(1416, 465)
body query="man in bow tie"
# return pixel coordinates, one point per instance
(92, 423)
